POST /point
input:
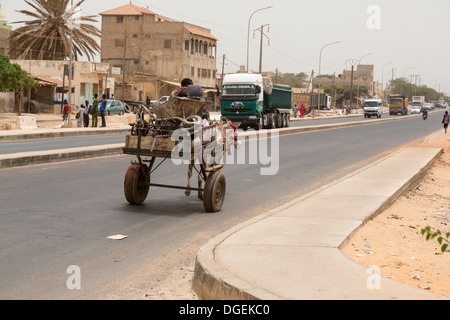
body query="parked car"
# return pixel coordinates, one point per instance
(114, 107)
(416, 110)
(161, 100)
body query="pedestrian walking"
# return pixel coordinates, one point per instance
(103, 110)
(94, 111)
(80, 116)
(87, 109)
(302, 111)
(445, 121)
(66, 110)
(296, 110)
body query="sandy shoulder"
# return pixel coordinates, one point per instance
(393, 240)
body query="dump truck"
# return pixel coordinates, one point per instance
(398, 104)
(252, 101)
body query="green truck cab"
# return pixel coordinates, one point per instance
(252, 101)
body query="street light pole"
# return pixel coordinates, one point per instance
(382, 78)
(248, 32)
(320, 67)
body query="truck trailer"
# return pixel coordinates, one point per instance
(252, 101)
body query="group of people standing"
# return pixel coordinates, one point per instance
(97, 108)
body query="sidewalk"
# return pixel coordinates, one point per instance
(293, 252)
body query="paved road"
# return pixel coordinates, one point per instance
(9, 147)
(55, 216)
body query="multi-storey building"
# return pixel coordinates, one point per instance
(150, 54)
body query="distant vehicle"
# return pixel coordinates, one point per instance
(418, 101)
(114, 107)
(398, 104)
(428, 106)
(373, 107)
(416, 110)
(251, 100)
(161, 100)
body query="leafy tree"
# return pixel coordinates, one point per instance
(13, 78)
(47, 35)
(291, 79)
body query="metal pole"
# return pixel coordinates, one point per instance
(248, 32)
(69, 119)
(320, 66)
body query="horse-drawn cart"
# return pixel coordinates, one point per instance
(152, 138)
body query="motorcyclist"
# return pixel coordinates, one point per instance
(425, 113)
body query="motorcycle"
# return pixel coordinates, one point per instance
(425, 115)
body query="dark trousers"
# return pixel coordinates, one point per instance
(103, 119)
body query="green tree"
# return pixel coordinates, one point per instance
(291, 79)
(13, 78)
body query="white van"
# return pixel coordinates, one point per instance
(373, 107)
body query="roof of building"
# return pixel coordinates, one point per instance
(201, 33)
(127, 10)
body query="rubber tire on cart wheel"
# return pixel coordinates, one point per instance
(214, 194)
(136, 184)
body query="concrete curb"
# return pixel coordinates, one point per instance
(60, 155)
(60, 133)
(213, 281)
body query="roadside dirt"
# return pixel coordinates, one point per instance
(393, 240)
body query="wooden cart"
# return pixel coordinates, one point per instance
(151, 139)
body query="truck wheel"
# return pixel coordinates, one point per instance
(214, 194)
(272, 124)
(284, 125)
(279, 119)
(136, 184)
(288, 120)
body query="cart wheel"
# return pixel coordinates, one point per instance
(137, 184)
(214, 194)
(200, 184)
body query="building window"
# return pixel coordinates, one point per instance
(118, 43)
(135, 36)
(196, 47)
(167, 44)
(147, 63)
(119, 19)
(192, 46)
(204, 73)
(205, 49)
(186, 45)
(136, 61)
(192, 71)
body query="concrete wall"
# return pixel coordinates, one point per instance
(89, 73)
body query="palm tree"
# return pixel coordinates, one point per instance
(47, 36)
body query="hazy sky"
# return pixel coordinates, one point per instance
(413, 34)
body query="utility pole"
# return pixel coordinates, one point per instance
(353, 63)
(223, 68)
(261, 45)
(123, 65)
